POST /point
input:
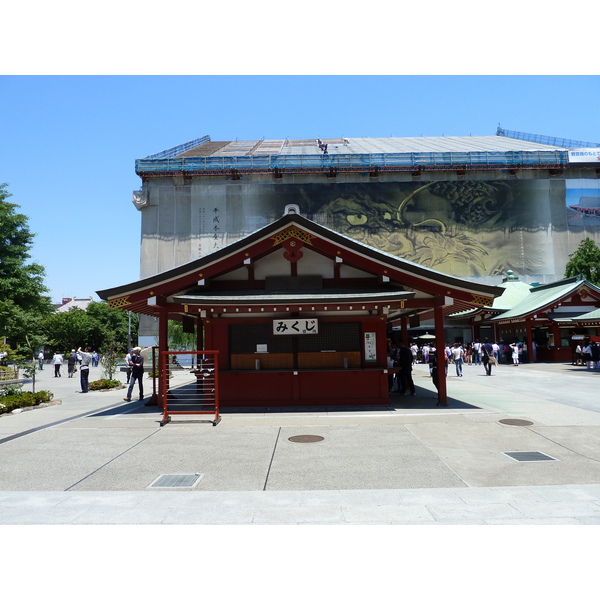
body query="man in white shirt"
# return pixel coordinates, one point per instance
(458, 355)
(57, 361)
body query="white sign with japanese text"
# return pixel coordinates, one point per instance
(584, 155)
(370, 346)
(295, 326)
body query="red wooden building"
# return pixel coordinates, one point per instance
(299, 313)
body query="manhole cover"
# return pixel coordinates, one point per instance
(529, 456)
(306, 439)
(517, 422)
(176, 481)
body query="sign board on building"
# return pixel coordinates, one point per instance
(584, 155)
(370, 346)
(295, 326)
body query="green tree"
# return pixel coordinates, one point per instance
(90, 327)
(110, 320)
(17, 324)
(66, 331)
(110, 353)
(180, 340)
(585, 261)
(20, 281)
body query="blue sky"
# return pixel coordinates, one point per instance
(69, 143)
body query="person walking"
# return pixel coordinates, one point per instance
(488, 356)
(137, 373)
(404, 376)
(84, 369)
(41, 360)
(515, 353)
(414, 349)
(128, 366)
(477, 352)
(57, 361)
(71, 362)
(496, 348)
(468, 354)
(458, 356)
(587, 354)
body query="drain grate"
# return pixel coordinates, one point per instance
(517, 422)
(176, 481)
(306, 439)
(529, 456)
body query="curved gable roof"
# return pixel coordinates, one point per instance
(134, 296)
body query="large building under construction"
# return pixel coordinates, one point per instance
(470, 207)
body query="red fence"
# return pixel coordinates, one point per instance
(192, 390)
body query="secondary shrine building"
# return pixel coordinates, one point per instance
(299, 313)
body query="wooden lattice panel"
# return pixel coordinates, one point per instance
(119, 302)
(482, 300)
(293, 232)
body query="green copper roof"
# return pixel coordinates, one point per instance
(543, 296)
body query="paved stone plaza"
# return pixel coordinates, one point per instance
(94, 459)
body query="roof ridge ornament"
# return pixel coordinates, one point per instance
(291, 209)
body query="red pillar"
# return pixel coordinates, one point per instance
(440, 346)
(530, 340)
(404, 330)
(163, 346)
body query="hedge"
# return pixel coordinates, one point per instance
(104, 384)
(23, 399)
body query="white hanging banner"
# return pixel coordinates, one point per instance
(584, 155)
(370, 346)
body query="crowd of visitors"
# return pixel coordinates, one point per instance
(74, 359)
(588, 354)
(401, 359)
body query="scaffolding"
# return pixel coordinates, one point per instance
(544, 139)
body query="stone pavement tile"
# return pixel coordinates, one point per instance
(40, 516)
(543, 510)
(498, 495)
(556, 521)
(387, 515)
(420, 496)
(473, 513)
(116, 500)
(298, 516)
(585, 520)
(17, 499)
(565, 493)
(122, 516)
(211, 515)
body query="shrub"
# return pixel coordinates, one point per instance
(22, 399)
(10, 389)
(104, 384)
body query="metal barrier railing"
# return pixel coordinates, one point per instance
(189, 390)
